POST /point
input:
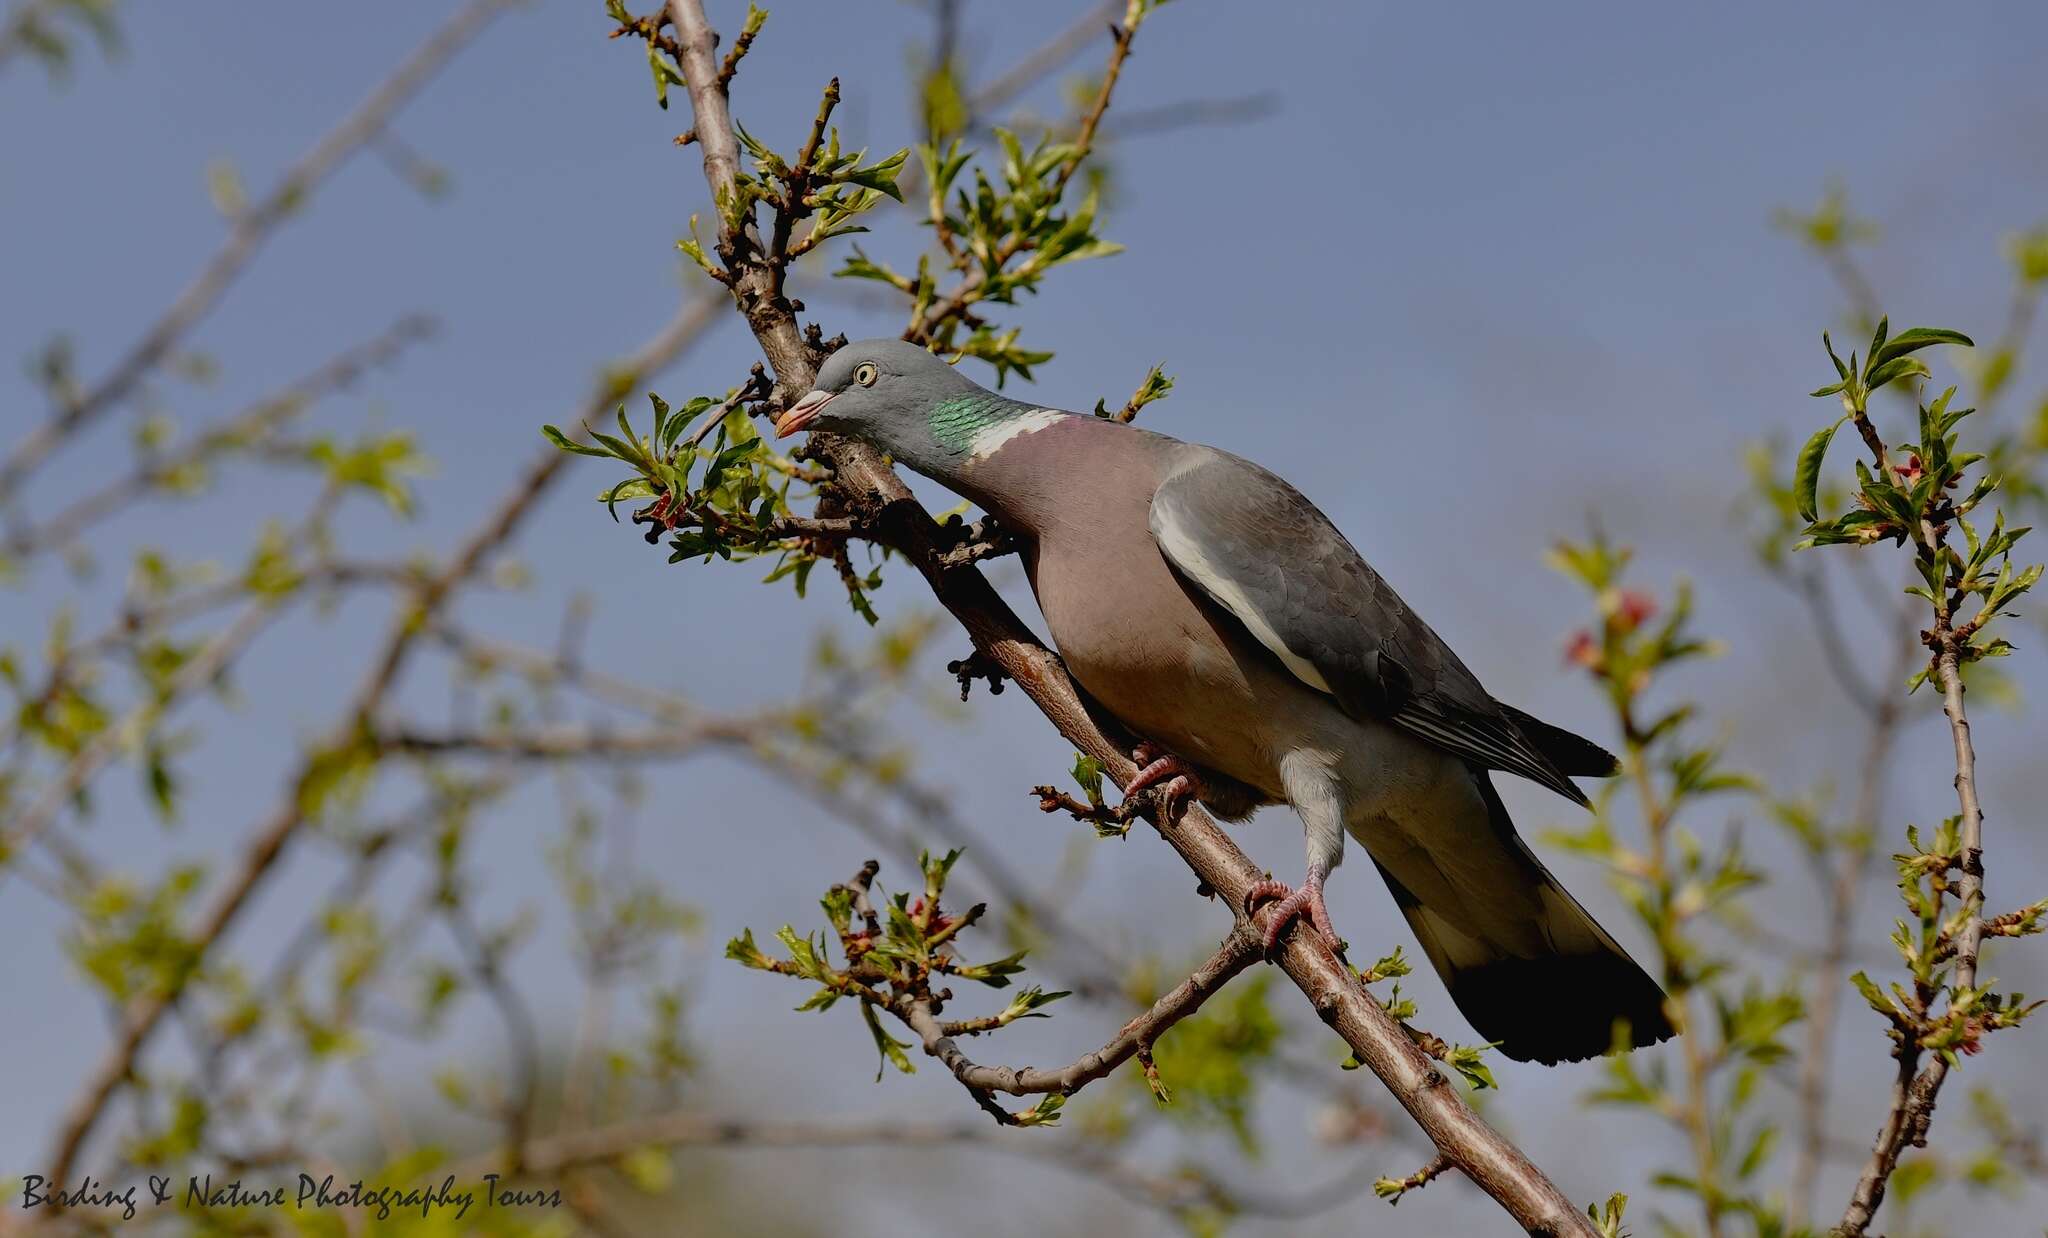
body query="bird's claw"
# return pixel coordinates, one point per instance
(1156, 767)
(1307, 902)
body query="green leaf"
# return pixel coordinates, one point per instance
(1088, 772)
(1806, 476)
(1874, 995)
(1468, 1062)
(995, 973)
(1608, 1219)
(1895, 369)
(1030, 1000)
(566, 443)
(1390, 967)
(880, 176)
(623, 450)
(1759, 1151)
(936, 868)
(1913, 341)
(631, 488)
(1841, 370)
(660, 416)
(745, 952)
(664, 73)
(891, 1049)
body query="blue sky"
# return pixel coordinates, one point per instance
(1479, 274)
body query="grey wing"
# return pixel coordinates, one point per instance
(1257, 548)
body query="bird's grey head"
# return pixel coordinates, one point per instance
(879, 391)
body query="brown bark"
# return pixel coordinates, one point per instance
(866, 486)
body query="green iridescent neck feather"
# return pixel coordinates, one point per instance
(958, 422)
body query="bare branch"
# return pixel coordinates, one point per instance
(1914, 1090)
(1047, 59)
(203, 669)
(1103, 817)
(756, 286)
(1392, 1189)
(239, 429)
(1813, 591)
(577, 742)
(958, 303)
(1914, 1094)
(1195, 113)
(1091, 120)
(809, 769)
(247, 234)
(271, 837)
(1842, 893)
(523, 1039)
(1239, 950)
(866, 487)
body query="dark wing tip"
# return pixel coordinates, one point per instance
(1492, 740)
(1574, 755)
(1564, 1008)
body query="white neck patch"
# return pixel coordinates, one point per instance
(991, 438)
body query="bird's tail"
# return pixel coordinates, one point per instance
(1562, 1003)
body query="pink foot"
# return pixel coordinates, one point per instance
(1156, 767)
(1295, 904)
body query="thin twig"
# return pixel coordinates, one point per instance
(1915, 1091)
(867, 486)
(1239, 950)
(202, 670)
(1914, 1095)
(269, 840)
(957, 303)
(238, 429)
(246, 235)
(1047, 59)
(1843, 895)
(522, 1037)
(580, 743)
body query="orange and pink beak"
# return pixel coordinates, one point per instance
(803, 412)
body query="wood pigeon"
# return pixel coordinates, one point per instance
(1215, 612)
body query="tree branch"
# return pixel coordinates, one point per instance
(554, 743)
(1842, 894)
(521, 1036)
(1046, 59)
(249, 230)
(757, 285)
(1913, 1097)
(272, 836)
(239, 429)
(207, 665)
(1240, 949)
(811, 768)
(867, 487)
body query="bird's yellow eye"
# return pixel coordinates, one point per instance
(864, 373)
